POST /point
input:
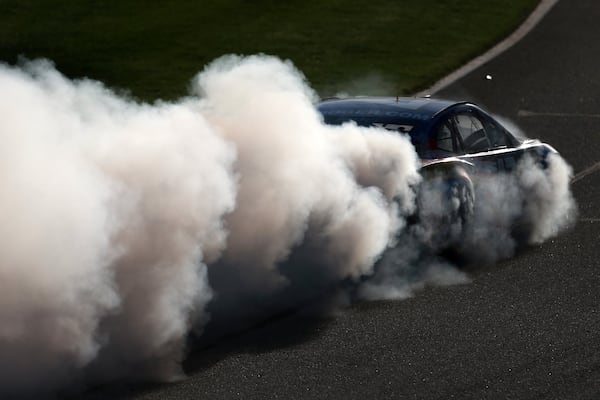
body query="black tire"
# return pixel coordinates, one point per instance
(461, 189)
(445, 208)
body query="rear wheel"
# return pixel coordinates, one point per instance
(462, 191)
(445, 208)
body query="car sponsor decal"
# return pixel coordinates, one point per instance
(394, 127)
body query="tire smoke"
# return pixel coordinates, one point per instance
(128, 225)
(113, 209)
(525, 207)
(110, 210)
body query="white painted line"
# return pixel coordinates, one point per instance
(588, 171)
(527, 113)
(534, 18)
(589, 219)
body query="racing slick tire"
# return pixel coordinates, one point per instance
(445, 208)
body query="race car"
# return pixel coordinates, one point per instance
(454, 140)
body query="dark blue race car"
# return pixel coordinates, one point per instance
(454, 140)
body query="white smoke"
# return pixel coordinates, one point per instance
(126, 225)
(113, 209)
(304, 188)
(549, 204)
(527, 206)
(109, 208)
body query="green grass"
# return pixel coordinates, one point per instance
(153, 48)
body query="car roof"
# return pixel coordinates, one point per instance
(400, 107)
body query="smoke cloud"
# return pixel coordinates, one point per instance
(317, 197)
(128, 225)
(527, 206)
(110, 209)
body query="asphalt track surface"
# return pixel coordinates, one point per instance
(527, 328)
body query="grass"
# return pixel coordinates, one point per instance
(152, 49)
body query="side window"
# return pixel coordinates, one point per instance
(496, 134)
(443, 138)
(472, 133)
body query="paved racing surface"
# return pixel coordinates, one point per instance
(526, 328)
